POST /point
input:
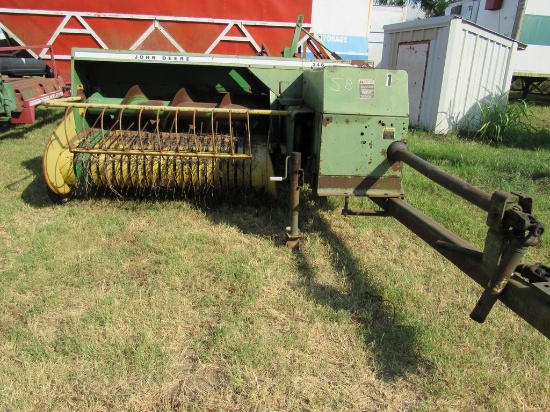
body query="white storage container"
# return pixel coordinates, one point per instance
(452, 64)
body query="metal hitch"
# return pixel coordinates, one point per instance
(511, 230)
(518, 230)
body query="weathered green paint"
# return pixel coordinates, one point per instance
(7, 100)
(359, 113)
(285, 84)
(356, 90)
(344, 114)
(354, 145)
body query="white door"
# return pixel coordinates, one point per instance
(413, 58)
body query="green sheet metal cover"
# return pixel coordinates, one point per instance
(359, 113)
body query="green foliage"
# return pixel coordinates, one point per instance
(434, 7)
(431, 7)
(499, 122)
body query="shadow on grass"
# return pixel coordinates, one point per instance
(19, 131)
(393, 344)
(35, 193)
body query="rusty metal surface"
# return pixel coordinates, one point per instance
(510, 259)
(359, 186)
(161, 144)
(294, 235)
(506, 242)
(293, 241)
(363, 63)
(346, 211)
(537, 273)
(398, 151)
(432, 232)
(527, 301)
(518, 230)
(327, 120)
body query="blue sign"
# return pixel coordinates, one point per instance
(347, 47)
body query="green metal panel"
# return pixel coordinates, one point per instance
(359, 113)
(7, 100)
(352, 156)
(355, 90)
(535, 30)
(354, 145)
(285, 83)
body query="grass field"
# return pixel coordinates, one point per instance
(178, 305)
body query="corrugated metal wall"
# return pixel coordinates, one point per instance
(466, 64)
(482, 69)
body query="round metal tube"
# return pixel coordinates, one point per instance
(264, 112)
(295, 194)
(167, 153)
(509, 261)
(398, 152)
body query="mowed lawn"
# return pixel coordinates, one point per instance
(162, 304)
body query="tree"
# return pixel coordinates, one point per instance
(431, 7)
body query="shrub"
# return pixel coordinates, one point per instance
(499, 122)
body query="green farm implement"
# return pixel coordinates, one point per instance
(152, 121)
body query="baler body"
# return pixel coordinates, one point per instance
(341, 115)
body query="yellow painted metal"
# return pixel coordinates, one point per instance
(144, 107)
(57, 163)
(64, 99)
(159, 170)
(262, 170)
(135, 159)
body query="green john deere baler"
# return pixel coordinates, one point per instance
(182, 123)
